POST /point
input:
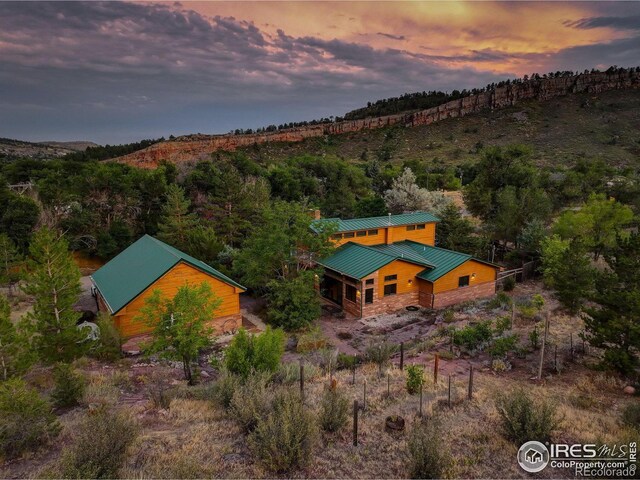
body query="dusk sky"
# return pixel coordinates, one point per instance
(119, 72)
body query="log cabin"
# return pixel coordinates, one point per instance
(383, 264)
(123, 284)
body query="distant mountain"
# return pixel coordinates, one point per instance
(11, 148)
(587, 114)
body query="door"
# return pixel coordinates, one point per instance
(368, 295)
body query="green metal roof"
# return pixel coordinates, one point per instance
(357, 261)
(133, 270)
(375, 222)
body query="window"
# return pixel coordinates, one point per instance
(349, 235)
(463, 281)
(369, 281)
(390, 289)
(410, 228)
(337, 236)
(368, 295)
(421, 227)
(372, 232)
(390, 278)
(350, 292)
(362, 233)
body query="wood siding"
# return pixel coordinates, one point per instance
(484, 273)
(393, 234)
(405, 271)
(169, 284)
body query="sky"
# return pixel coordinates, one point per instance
(118, 72)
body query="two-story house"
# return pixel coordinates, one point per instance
(383, 264)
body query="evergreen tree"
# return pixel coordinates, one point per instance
(293, 303)
(177, 222)
(455, 232)
(10, 261)
(614, 324)
(179, 324)
(15, 357)
(54, 281)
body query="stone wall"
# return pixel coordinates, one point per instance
(226, 324)
(199, 147)
(460, 295)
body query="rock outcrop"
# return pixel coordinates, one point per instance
(198, 147)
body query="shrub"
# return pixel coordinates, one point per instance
(251, 401)
(534, 338)
(334, 410)
(313, 339)
(524, 419)
(473, 337)
(109, 347)
(499, 365)
(285, 439)
(100, 391)
(346, 362)
(501, 346)
(328, 358)
(427, 458)
(415, 378)
(501, 300)
(502, 325)
(290, 373)
(448, 316)
(260, 353)
(69, 386)
(99, 445)
(225, 387)
(509, 284)
(26, 420)
(159, 391)
(631, 415)
(380, 353)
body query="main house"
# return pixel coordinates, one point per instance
(123, 284)
(386, 263)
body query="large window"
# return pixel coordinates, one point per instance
(390, 278)
(369, 281)
(390, 289)
(337, 236)
(361, 233)
(421, 227)
(349, 235)
(411, 228)
(350, 292)
(463, 281)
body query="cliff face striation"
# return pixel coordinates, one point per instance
(199, 147)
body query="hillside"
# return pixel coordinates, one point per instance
(10, 148)
(573, 116)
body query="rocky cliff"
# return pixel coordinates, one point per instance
(197, 147)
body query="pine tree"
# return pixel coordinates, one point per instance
(613, 325)
(10, 260)
(54, 280)
(15, 357)
(177, 223)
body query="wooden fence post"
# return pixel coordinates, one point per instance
(355, 423)
(401, 356)
(544, 342)
(364, 396)
(435, 369)
(470, 382)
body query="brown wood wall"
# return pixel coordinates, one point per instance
(484, 273)
(168, 285)
(405, 271)
(394, 234)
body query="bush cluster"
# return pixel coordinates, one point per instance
(99, 445)
(251, 401)
(427, 458)
(260, 353)
(473, 337)
(109, 347)
(524, 419)
(334, 410)
(285, 438)
(26, 419)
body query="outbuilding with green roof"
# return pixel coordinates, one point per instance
(123, 284)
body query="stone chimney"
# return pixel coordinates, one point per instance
(315, 213)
